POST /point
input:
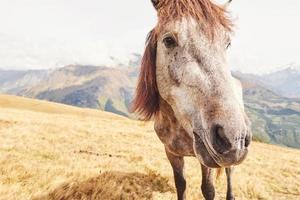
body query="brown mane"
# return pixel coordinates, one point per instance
(210, 17)
(146, 101)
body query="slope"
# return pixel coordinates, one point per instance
(53, 151)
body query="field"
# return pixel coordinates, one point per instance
(58, 152)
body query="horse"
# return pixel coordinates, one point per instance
(186, 87)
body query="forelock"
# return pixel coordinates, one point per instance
(209, 15)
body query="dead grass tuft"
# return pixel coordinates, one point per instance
(112, 185)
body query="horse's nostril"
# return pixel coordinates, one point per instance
(247, 141)
(219, 131)
(220, 141)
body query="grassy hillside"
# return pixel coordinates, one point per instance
(53, 151)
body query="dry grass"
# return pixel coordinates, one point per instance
(51, 151)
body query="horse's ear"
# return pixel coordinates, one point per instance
(155, 3)
(146, 101)
(227, 4)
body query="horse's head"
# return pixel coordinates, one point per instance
(185, 65)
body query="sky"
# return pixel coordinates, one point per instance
(40, 34)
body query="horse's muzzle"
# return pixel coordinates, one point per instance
(220, 151)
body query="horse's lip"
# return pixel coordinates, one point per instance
(200, 146)
(196, 134)
(231, 157)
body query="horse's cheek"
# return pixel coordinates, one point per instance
(175, 73)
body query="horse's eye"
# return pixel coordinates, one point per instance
(228, 45)
(170, 42)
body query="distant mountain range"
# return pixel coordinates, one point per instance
(272, 100)
(109, 89)
(284, 82)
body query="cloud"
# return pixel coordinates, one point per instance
(52, 33)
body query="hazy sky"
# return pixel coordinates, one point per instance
(53, 33)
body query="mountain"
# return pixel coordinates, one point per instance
(14, 81)
(285, 82)
(109, 89)
(103, 88)
(51, 151)
(275, 117)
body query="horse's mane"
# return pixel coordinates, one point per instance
(210, 17)
(146, 101)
